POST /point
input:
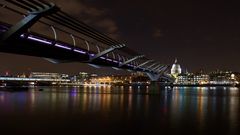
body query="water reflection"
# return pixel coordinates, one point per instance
(201, 108)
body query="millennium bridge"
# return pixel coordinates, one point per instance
(42, 29)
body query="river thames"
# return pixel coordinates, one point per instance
(121, 110)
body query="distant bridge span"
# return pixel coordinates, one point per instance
(87, 45)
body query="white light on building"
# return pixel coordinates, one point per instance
(176, 69)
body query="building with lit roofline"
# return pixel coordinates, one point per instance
(176, 69)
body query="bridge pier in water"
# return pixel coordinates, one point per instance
(156, 86)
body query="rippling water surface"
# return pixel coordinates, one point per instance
(121, 110)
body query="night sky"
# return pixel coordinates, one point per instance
(200, 34)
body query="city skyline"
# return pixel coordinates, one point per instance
(200, 35)
(184, 70)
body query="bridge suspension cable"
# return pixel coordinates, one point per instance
(78, 26)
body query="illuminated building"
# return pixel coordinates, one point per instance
(120, 79)
(192, 79)
(223, 77)
(45, 75)
(176, 69)
(214, 78)
(82, 76)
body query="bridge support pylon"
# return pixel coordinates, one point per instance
(131, 60)
(153, 76)
(100, 54)
(16, 30)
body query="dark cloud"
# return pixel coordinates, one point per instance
(77, 8)
(96, 17)
(110, 27)
(157, 33)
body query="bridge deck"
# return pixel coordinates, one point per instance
(33, 44)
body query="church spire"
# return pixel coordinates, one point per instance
(175, 61)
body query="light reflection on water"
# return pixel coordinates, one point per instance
(202, 109)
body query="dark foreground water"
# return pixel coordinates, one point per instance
(121, 110)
